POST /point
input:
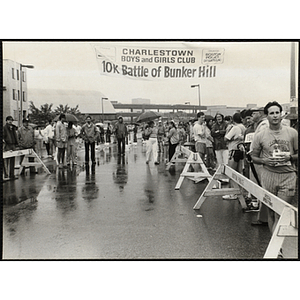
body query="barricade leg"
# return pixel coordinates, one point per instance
(240, 196)
(181, 178)
(282, 230)
(209, 187)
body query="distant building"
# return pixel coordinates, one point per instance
(14, 88)
(140, 101)
(222, 109)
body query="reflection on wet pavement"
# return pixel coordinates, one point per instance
(121, 208)
(120, 175)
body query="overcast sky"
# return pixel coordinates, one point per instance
(253, 72)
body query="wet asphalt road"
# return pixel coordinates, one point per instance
(122, 209)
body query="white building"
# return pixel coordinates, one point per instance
(14, 90)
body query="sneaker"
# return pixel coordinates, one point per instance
(224, 180)
(251, 208)
(248, 200)
(259, 223)
(229, 197)
(147, 162)
(156, 163)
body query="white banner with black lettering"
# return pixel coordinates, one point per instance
(158, 60)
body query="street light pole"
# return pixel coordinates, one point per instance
(198, 86)
(20, 113)
(102, 108)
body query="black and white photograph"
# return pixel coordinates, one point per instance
(150, 150)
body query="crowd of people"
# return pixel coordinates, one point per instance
(61, 139)
(256, 142)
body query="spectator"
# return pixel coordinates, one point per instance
(218, 132)
(191, 131)
(166, 142)
(54, 142)
(135, 131)
(26, 136)
(210, 154)
(234, 137)
(228, 120)
(48, 134)
(160, 136)
(71, 144)
(276, 149)
(259, 119)
(200, 135)
(78, 141)
(173, 139)
(248, 137)
(108, 133)
(89, 133)
(181, 133)
(102, 133)
(10, 140)
(151, 131)
(121, 133)
(26, 141)
(39, 138)
(61, 140)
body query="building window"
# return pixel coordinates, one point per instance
(24, 98)
(17, 74)
(16, 117)
(18, 95)
(14, 94)
(13, 73)
(23, 76)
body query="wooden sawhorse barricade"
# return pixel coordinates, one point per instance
(192, 159)
(26, 163)
(287, 225)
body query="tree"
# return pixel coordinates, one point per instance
(69, 110)
(45, 112)
(60, 109)
(40, 115)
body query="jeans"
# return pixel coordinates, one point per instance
(10, 162)
(61, 155)
(172, 148)
(87, 148)
(121, 145)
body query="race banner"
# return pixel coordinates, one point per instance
(158, 61)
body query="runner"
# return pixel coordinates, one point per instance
(276, 148)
